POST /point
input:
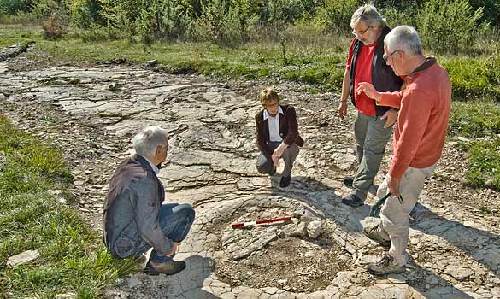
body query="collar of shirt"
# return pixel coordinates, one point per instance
(266, 115)
(155, 169)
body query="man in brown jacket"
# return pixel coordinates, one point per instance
(277, 136)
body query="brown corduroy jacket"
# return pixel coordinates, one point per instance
(288, 129)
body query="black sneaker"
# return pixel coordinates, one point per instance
(353, 201)
(348, 181)
(168, 268)
(285, 181)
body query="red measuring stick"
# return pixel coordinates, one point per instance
(259, 222)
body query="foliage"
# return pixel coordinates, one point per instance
(86, 13)
(223, 22)
(335, 15)
(53, 28)
(448, 26)
(11, 7)
(72, 257)
(475, 119)
(484, 163)
(395, 16)
(474, 78)
(491, 10)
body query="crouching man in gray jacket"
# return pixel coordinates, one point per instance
(135, 220)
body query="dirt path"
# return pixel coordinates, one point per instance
(91, 113)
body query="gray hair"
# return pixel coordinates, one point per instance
(146, 141)
(404, 38)
(369, 15)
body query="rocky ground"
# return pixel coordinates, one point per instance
(90, 112)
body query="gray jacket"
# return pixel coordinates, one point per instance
(131, 210)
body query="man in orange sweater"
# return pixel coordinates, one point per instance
(418, 140)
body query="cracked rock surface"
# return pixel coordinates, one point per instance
(92, 112)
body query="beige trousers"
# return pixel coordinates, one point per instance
(395, 214)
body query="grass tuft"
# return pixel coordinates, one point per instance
(72, 257)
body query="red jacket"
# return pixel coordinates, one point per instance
(422, 124)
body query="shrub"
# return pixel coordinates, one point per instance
(400, 16)
(474, 78)
(53, 28)
(11, 7)
(448, 26)
(336, 15)
(223, 22)
(85, 13)
(43, 9)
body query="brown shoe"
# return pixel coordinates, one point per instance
(386, 265)
(168, 268)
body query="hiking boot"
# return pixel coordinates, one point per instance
(348, 181)
(386, 265)
(377, 235)
(168, 268)
(353, 201)
(285, 181)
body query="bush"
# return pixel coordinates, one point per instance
(12, 7)
(474, 78)
(336, 15)
(223, 22)
(280, 12)
(491, 10)
(53, 28)
(448, 26)
(100, 33)
(400, 16)
(85, 13)
(43, 9)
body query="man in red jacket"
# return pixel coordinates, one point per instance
(373, 125)
(418, 140)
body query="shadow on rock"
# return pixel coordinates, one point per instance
(323, 198)
(186, 284)
(482, 246)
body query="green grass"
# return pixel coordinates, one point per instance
(475, 119)
(72, 257)
(480, 122)
(484, 163)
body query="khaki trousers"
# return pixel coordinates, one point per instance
(395, 214)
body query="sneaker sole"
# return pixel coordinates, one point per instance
(402, 270)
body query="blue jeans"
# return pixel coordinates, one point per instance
(175, 222)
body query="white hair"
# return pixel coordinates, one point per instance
(369, 15)
(404, 38)
(146, 141)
